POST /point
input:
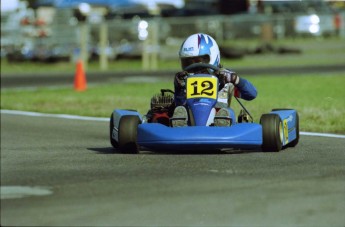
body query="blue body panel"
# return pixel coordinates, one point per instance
(201, 109)
(158, 136)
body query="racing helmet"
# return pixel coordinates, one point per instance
(199, 48)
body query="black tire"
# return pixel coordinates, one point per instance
(113, 142)
(272, 130)
(128, 128)
(295, 142)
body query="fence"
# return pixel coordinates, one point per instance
(138, 37)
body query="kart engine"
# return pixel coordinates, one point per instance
(160, 102)
(159, 111)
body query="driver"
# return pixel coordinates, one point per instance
(202, 48)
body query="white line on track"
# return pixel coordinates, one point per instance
(64, 116)
(322, 134)
(76, 117)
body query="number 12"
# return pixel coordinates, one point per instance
(207, 85)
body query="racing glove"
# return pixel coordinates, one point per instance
(226, 76)
(180, 78)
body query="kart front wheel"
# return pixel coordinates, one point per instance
(272, 133)
(294, 142)
(128, 128)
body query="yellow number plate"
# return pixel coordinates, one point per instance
(202, 87)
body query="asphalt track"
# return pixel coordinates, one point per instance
(90, 185)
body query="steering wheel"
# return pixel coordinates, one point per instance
(201, 65)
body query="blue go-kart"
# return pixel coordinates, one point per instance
(131, 132)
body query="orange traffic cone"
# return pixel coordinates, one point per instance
(80, 78)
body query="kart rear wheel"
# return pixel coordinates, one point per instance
(128, 128)
(113, 142)
(272, 133)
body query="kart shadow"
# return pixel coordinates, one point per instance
(111, 150)
(103, 150)
(207, 152)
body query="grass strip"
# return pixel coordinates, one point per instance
(318, 98)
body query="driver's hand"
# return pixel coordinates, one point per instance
(226, 76)
(180, 78)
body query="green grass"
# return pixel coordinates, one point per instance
(318, 98)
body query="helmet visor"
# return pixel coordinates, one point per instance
(191, 60)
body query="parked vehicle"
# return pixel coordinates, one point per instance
(316, 17)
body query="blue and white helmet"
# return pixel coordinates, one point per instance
(199, 48)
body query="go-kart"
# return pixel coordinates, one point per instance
(130, 131)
